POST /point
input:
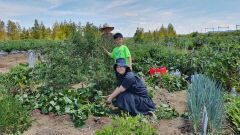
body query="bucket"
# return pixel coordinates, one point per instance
(159, 70)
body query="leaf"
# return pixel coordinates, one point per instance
(67, 109)
(164, 105)
(67, 100)
(50, 108)
(52, 103)
(57, 107)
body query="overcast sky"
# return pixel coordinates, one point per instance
(126, 15)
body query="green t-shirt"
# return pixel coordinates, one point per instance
(121, 52)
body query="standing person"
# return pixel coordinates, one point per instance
(121, 51)
(131, 92)
(107, 32)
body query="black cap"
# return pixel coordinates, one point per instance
(117, 35)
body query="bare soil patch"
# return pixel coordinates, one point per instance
(9, 61)
(177, 100)
(62, 125)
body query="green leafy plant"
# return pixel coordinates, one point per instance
(128, 125)
(20, 77)
(233, 111)
(170, 82)
(14, 117)
(79, 104)
(164, 111)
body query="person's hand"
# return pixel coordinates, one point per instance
(102, 47)
(109, 99)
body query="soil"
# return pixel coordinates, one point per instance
(177, 100)
(12, 60)
(62, 125)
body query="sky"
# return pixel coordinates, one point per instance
(126, 15)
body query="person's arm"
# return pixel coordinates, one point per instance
(130, 62)
(107, 52)
(116, 92)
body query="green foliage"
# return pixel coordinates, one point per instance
(168, 81)
(21, 78)
(79, 104)
(14, 117)
(128, 125)
(221, 63)
(164, 111)
(205, 92)
(141, 37)
(28, 44)
(13, 30)
(2, 30)
(59, 31)
(80, 59)
(233, 111)
(138, 36)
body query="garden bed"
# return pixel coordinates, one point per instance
(51, 124)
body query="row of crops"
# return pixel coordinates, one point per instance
(80, 59)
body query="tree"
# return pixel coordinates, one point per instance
(36, 30)
(2, 30)
(171, 31)
(148, 35)
(156, 35)
(24, 34)
(138, 36)
(46, 33)
(13, 30)
(163, 32)
(67, 29)
(56, 31)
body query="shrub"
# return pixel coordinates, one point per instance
(20, 77)
(127, 126)
(168, 81)
(14, 117)
(233, 112)
(164, 111)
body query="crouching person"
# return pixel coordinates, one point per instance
(131, 92)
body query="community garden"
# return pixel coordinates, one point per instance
(198, 94)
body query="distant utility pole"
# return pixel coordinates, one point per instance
(209, 28)
(223, 27)
(237, 26)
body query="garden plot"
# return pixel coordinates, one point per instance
(51, 124)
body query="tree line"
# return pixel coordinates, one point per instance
(13, 31)
(155, 35)
(61, 31)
